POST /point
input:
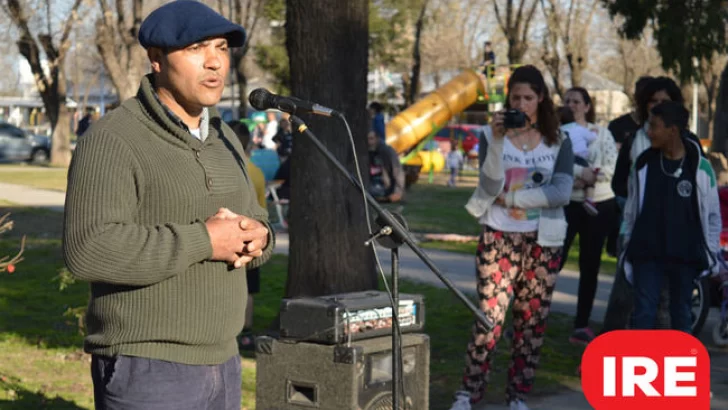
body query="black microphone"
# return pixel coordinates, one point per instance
(262, 99)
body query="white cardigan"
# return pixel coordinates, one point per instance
(603, 155)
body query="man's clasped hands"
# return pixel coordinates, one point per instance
(236, 239)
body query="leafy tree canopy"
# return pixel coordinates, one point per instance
(683, 29)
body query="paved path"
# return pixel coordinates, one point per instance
(459, 269)
(28, 196)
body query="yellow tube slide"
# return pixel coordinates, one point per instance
(418, 121)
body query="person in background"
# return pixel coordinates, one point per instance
(454, 162)
(526, 178)
(622, 129)
(85, 122)
(488, 56)
(656, 91)
(246, 338)
(162, 220)
(267, 160)
(386, 176)
(271, 129)
(376, 111)
(581, 137)
(672, 219)
(284, 140)
(620, 306)
(626, 125)
(259, 120)
(592, 227)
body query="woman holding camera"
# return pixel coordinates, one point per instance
(591, 220)
(525, 181)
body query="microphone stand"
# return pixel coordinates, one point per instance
(392, 235)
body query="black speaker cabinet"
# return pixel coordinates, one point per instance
(293, 376)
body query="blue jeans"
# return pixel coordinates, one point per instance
(137, 383)
(453, 175)
(647, 282)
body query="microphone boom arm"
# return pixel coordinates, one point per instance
(399, 232)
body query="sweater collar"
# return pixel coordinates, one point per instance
(149, 99)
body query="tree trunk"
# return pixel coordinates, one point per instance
(416, 57)
(242, 82)
(61, 139)
(327, 45)
(720, 123)
(516, 49)
(576, 67)
(60, 119)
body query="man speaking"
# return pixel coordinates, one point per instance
(162, 220)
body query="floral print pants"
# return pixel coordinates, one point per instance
(511, 264)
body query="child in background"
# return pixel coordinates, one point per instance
(454, 162)
(580, 137)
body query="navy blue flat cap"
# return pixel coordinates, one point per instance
(184, 22)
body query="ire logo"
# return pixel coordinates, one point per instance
(646, 369)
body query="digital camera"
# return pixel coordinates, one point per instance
(514, 119)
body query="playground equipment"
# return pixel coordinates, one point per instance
(425, 117)
(411, 132)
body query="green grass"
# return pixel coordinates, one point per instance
(437, 209)
(42, 364)
(36, 176)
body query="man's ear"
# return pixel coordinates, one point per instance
(156, 57)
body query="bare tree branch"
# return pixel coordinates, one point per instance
(117, 44)
(499, 18)
(509, 13)
(27, 45)
(573, 34)
(120, 15)
(48, 17)
(64, 44)
(474, 34)
(569, 19)
(529, 18)
(519, 13)
(516, 26)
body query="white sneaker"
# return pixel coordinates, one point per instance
(518, 405)
(462, 401)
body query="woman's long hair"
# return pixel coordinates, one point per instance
(591, 115)
(652, 87)
(548, 123)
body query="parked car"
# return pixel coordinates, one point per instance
(465, 133)
(17, 145)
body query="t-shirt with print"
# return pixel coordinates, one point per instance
(524, 170)
(668, 227)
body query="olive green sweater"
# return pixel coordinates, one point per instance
(139, 190)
